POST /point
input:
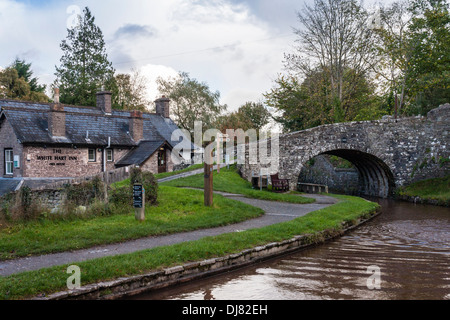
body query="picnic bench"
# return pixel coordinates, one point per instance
(279, 185)
(312, 188)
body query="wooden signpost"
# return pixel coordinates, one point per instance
(139, 201)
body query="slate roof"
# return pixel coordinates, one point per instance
(8, 185)
(140, 154)
(30, 123)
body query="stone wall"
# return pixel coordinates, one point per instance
(386, 153)
(338, 180)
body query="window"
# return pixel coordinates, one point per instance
(109, 155)
(9, 162)
(92, 155)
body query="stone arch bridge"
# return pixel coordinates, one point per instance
(386, 153)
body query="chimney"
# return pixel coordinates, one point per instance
(163, 107)
(137, 125)
(104, 101)
(56, 95)
(57, 120)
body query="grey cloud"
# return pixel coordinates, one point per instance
(135, 30)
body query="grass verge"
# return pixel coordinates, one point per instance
(228, 180)
(179, 210)
(51, 280)
(431, 190)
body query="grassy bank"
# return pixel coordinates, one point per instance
(429, 191)
(179, 210)
(54, 279)
(228, 180)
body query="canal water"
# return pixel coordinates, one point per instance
(402, 254)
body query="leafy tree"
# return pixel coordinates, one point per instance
(288, 98)
(191, 101)
(414, 43)
(251, 115)
(429, 33)
(24, 71)
(307, 104)
(394, 49)
(129, 92)
(12, 86)
(84, 65)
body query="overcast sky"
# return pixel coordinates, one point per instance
(235, 46)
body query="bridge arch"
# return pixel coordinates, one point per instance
(387, 154)
(375, 176)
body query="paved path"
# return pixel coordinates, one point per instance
(276, 212)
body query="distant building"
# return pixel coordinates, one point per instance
(54, 140)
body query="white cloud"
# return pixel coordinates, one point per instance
(151, 73)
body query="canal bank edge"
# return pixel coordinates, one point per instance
(419, 200)
(135, 285)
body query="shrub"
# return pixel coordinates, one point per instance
(148, 180)
(20, 206)
(85, 193)
(120, 196)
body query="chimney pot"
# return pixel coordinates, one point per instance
(56, 95)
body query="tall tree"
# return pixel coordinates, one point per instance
(191, 101)
(394, 49)
(84, 65)
(429, 33)
(334, 37)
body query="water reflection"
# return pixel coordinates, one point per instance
(409, 243)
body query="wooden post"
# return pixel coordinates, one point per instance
(396, 107)
(219, 141)
(208, 185)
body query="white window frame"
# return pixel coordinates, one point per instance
(94, 154)
(9, 162)
(110, 155)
